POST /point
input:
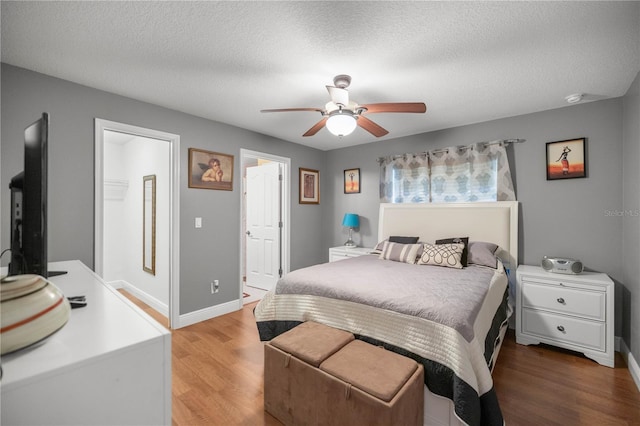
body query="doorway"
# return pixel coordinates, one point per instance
(265, 229)
(125, 157)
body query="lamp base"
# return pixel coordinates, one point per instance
(350, 243)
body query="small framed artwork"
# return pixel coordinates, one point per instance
(309, 186)
(352, 181)
(210, 170)
(566, 159)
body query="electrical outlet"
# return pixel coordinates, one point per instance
(215, 286)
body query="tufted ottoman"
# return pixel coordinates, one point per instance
(319, 375)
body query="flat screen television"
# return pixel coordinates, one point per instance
(29, 205)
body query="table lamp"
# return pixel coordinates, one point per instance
(352, 221)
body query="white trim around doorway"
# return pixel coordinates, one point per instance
(286, 210)
(174, 199)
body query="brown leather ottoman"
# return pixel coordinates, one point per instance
(318, 375)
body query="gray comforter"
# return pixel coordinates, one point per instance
(448, 319)
(451, 297)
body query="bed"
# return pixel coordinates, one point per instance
(455, 331)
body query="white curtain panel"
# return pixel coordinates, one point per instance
(404, 178)
(478, 172)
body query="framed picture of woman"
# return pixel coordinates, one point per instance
(566, 159)
(210, 170)
(352, 181)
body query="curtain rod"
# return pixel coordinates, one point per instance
(503, 141)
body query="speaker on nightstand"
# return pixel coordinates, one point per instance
(561, 265)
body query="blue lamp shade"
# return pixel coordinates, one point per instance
(351, 220)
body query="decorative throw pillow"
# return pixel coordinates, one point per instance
(378, 248)
(394, 239)
(448, 255)
(465, 252)
(403, 240)
(483, 253)
(406, 253)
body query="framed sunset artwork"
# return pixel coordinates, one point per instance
(566, 159)
(352, 181)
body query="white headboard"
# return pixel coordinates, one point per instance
(495, 222)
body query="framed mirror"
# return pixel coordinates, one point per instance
(149, 224)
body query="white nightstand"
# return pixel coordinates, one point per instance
(343, 252)
(570, 311)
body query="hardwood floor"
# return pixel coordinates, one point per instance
(544, 385)
(218, 368)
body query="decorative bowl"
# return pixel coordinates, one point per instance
(31, 309)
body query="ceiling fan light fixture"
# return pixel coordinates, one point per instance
(341, 123)
(342, 115)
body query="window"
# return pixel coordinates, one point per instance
(478, 172)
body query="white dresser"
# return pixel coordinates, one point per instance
(570, 311)
(109, 365)
(344, 252)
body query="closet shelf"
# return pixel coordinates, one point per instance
(115, 189)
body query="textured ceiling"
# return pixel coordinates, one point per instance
(468, 61)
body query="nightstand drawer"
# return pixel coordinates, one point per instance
(587, 304)
(563, 329)
(342, 252)
(339, 255)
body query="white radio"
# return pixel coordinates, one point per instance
(561, 265)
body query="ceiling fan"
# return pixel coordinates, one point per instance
(341, 115)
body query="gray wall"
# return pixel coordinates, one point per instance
(564, 218)
(568, 218)
(206, 254)
(631, 220)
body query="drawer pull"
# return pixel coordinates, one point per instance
(561, 328)
(560, 300)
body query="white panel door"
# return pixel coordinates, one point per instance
(263, 225)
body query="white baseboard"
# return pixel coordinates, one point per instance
(117, 284)
(632, 363)
(154, 303)
(183, 320)
(208, 313)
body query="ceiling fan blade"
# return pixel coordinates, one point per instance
(316, 127)
(291, 109)
(417, 107)
(339, 96)
(371, 127)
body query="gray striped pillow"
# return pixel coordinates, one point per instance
(397, 252)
